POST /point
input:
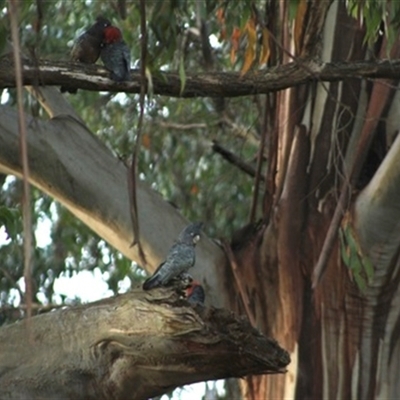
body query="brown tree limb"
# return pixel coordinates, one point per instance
(258, 177)
(215, 84)
(331, 235)
(239, 282)
(234, 159)
(241, 131)
(183, 127)
(132, 173)
(136, 346)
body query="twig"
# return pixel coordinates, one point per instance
(242, 290)
(330, 238)
(132, 174)
(234, 159)
(26, 210)
(258, 177)
(241, 131)
(183, 127)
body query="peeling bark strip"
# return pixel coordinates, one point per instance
(216, 84)
(133, 346)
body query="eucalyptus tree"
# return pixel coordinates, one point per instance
(274, 122)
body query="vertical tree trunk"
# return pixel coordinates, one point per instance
(334, 331)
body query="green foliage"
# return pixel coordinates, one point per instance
(379, 16)
(293, 6)
(9, 218)
(358, 263)
(182, 75)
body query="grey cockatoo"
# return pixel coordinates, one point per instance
(116, 55)
(195, 293)
(180, 258)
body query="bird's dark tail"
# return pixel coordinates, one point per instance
(64, 89)
(152, 282)
(195, 293)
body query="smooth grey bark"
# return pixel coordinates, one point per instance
(377, 219)
(378, 211)
(73, 166)
(134, 346)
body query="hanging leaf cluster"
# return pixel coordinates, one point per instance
(250, 42)
(378, 17)
(359, 265)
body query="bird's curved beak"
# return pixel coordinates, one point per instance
(196, 239)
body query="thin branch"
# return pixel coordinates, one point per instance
(234, 160)
(26, 207)
(241, 131)
(237, 130)
(258, 177)
(132, 174)
(239, 282)
(331, 236)
(182, 127)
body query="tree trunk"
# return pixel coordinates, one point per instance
(342, 338)
(133, 346)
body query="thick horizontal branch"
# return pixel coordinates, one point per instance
(136, 346)
(216, 84)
